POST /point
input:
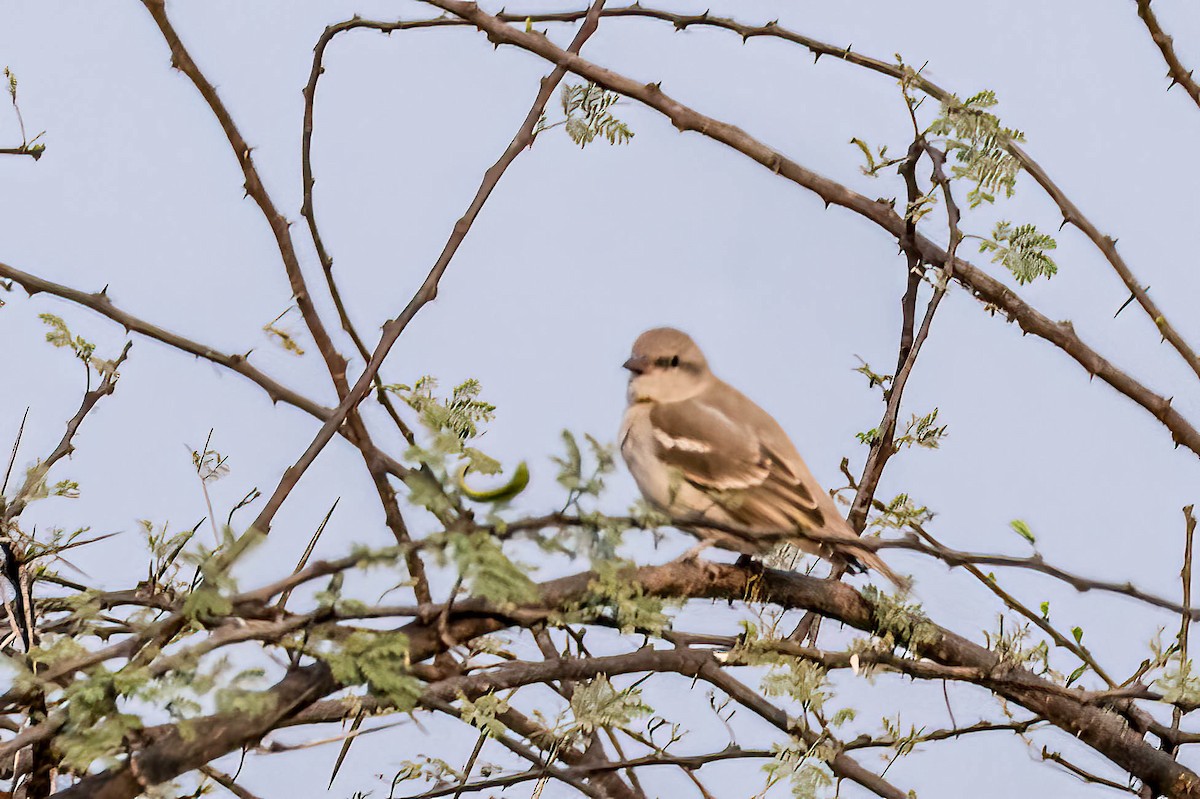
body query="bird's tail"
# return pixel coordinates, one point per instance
(858, 561)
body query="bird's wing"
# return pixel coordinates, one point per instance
(726, 458)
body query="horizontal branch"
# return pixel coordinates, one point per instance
(35, 152)
(1104, 730)
(101, 303)
(689, 762)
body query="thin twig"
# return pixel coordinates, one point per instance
(227, 782)
(12, 458)
(1185, 620)
(429, 288)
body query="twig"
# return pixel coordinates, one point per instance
(308, 210)
(12, 458)
(181, 59)
(470, 766)
(1082, 774)
(1178, 72)
(65, 446)
(885, 446)
(308, 550)
(345, 750)
(1185, 621)
(686, 762)
(1012, 602)
(842, 765)
(35, 152)
(428, 289)
(227, 782)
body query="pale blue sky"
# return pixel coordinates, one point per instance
(577, 252)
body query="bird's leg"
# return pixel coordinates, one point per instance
(694, 552)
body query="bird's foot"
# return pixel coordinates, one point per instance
(750, 563)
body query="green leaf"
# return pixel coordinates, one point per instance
(59, 335)
(570, 472)
(1075, 675)
(614, 591)
(1022, 529)
(482, 713)
(801, 680)
(979, 143)
(597, 704)
(586, 107)
(1077, 632)
(1022, 250)
(378, 660)
(488, 572)
(923, 431)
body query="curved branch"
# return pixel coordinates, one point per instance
(1106, 244)
(978, 282)
(182, 60)
(428, 290)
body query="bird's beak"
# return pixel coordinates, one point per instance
(637, 364)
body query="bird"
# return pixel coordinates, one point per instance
(703, 452)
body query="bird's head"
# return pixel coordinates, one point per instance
(666, 366)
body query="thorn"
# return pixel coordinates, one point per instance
(817, 56)
(1063, 224)
(1124, 305)
(104, 291)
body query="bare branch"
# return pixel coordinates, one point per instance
(1178, 73)
(428, 290)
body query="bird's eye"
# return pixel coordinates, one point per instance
(674, 360)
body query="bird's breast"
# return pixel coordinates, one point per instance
(637, 448)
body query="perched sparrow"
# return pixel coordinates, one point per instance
(700, 451)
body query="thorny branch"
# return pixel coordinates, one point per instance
(1179, 74)
(1070, 212)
